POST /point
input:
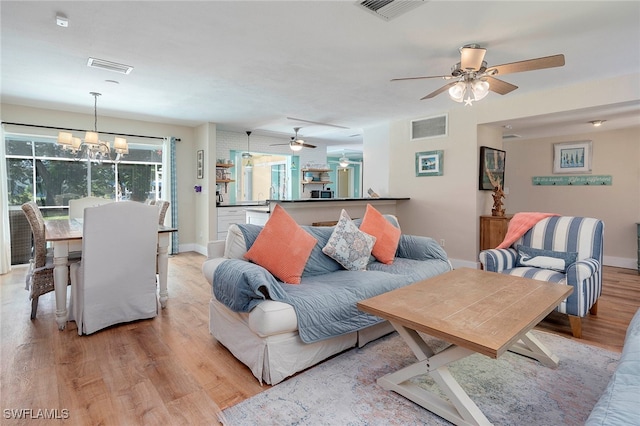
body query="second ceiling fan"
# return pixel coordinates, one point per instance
(296, 144)
(473, 78)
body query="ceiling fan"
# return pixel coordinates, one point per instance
(473, 78)
(296, 144)
(344, 161)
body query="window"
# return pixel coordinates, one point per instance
(39, 169)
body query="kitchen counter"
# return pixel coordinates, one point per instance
(307, 211)
(339, 200)
(244, 204)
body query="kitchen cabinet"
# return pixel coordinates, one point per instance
(227, 216)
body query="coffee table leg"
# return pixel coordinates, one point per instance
(531, 347)
(460, 409)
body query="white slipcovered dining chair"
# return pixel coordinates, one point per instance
(116, 280)
(77, 206)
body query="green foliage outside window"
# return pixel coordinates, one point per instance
(58, 176)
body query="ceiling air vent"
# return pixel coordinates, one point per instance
(389, 9)
(109, 66)
(511, 136)
(431, 127)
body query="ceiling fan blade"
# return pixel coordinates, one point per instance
(278, 144)
(446, 77)
(440, 90)
(307, 145)
(471, 58)
(499, 86)
(528, 65)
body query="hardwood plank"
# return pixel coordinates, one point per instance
(170, 370)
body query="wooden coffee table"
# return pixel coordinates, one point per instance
(477, 312)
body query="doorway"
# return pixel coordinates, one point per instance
(345, 182)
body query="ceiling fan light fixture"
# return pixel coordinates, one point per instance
(480, 89)
(457, 91)
(597, 123)
(343, 162)
(295, 146)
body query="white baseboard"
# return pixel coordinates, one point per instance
(457, 263)
(620, 262)
(182, 248)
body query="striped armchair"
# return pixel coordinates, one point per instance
(581, 235)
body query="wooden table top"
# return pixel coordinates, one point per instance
(486, 312)
(66, 230)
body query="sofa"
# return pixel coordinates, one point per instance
(620, 403)
(559, 249)
(278, 329)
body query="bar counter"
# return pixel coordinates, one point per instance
(308, 211)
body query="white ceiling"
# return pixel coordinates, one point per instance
(251, 64)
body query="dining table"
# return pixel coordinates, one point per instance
(65, 235)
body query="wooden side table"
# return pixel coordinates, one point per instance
(493, 230)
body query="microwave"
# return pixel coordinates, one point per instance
(322, 194)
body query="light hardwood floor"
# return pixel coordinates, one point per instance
(170, 370)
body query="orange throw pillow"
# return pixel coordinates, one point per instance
(387, 235)
(282, 247)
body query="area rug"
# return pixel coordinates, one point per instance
(512, 390)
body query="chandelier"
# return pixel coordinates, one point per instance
(92, 148)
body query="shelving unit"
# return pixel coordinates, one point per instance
(315, 182)
(224, 181)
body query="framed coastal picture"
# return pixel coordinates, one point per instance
(572, 157)
(200, 164)
(492, 164)
(429, 163)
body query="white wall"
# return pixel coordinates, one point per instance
(448, 207)
(375, 157)
(615, 153)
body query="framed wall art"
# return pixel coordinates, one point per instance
(200, 164)
(492, 164)
(429, 163)
(572, 157)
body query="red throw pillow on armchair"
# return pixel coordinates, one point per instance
(387, 235)
(282, 247)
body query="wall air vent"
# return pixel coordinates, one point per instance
(109, 66)
(431, 127)
(389, 9)
(511, 136)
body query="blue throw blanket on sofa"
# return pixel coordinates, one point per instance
(325, 308)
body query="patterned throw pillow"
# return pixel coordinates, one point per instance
(348, 245)
(545, 259)
(282, 247)
(387, 236)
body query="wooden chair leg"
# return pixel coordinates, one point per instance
(34, 307)
(594, 309)
(576, 326)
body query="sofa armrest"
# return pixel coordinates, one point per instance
(582, 270)
(497, 260)
(420, 248)
(209, 268)
(215, 249)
